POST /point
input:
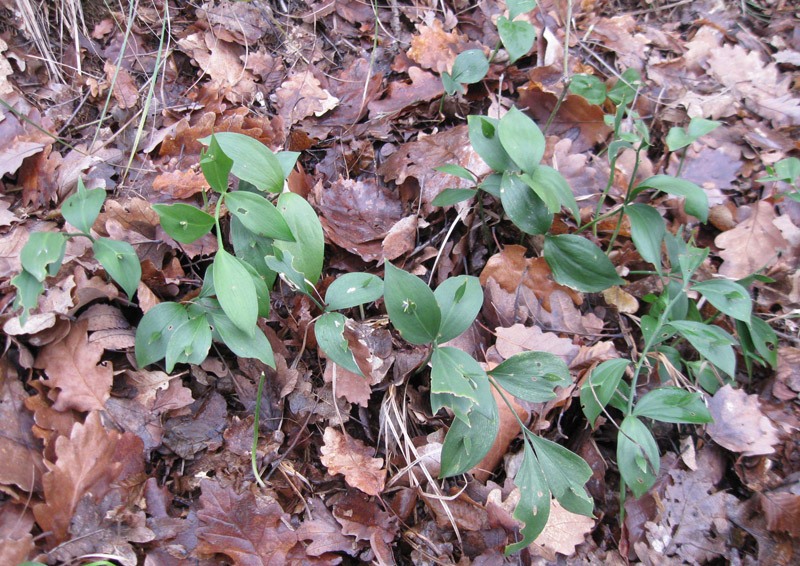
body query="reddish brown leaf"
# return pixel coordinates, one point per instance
(20, 452)
(342, 454)
(782, 510)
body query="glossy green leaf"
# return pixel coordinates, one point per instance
(258, 215)
(216, 165)
(637, 456)
(83, 206)
(523, 206)
(517, 7)
(245, 345)
(184, 223)
(470, 66)
(673, 405)
(235, 291)
(411, 305)
(760, 335)
(28, 290)
(566, 473)
(120, 261)
(624, 90)
(155, 330)
(696, 201)
(553, 189)
(260, 286)
(283, 263)
(590, 87)
(452, 196)
(287, 159)
(522, 139)
(455, 377)
(533, 508)
(597, 391)
(647, 232)
(456, 171)
(517, 37)
(189, 343)
(466, 445)
(486, 143)
(727, 296)
(678, 138)
(43, 253)
(329, 330)
(252, 249)
(252, 160)
(460, 300)
(353, 289)
(711, 341)
(532, 376)
(308, 249)
(578, 263)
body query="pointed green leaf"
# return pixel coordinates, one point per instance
(411, 306)
(154, 331)
(517, 7)
(308, 249)
(454, 381)
(81, 209)
(184, 223)
(522, 139)
(590, 87)
(254, 345)
(637, 456)
(258, 215)
(43, 254)
(523, 206)
(624, 90)
(282, 262)
(460, 300)
(696, 201)
(517, 37)
(711, 341)
(761, 335)
(189, 343)
(216, 166)
(647, 232)
(578, 263)
(566, 474)
(553, 189)
(329, 331)
(486, 143)
(252, 160)
(260, 286)
(533, 508)
(28, 290)
(120, 261)
(252, 249)
(353, 289)
(466, 445)
(532, 376)
(456, 171)
(452, 196)
(235, 291)
(287, 159)
(597, 391)
(673, 405)
(451, 86)
(728, 296)
(470, 66)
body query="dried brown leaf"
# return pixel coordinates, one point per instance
(564, 530)
(20, 452)
(739, 424)
(301, 96)
(342, 454)
(752, 245)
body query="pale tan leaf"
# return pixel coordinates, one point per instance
(342, 454)
(564, 530)
(752, 245)
(739, 424)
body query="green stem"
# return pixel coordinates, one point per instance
(683, 160)
(631, 183)
(255, 431)
(216, 221)
(76, 234)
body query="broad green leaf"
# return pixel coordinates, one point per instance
(590, 87)
(216, 166)
(727, 296)
(466, 445)
(470, 66)
(411, 305)
(678, 138)
(81, 209)
(762, 335)
(452, 196)
(690, 260)
(258, 215)
(308, 249)
(523, 206)
(699, 127)
(533, 508)
(252, 249)
(706, 376)
(28, 290)
(647, 232)
(696, 201)
(252, 160)
(235, 291)
(353, 289)
(517, 37)
(184, 223)
(245, 345)
(491, 184)
(329, 330)
(553, 189)
(713, 343)
(460, 300)
(673, 405)
(189, 343)
(450, 85)
(120, 261)
(287, 159)
(283, 263)
(784, 170)
(43, 254)
(486, 143)
(597, 391)
(155, 329)
(624, 90)
(637, 456)
(532, 376)
(260, 286)
(456, 171)
(566, 474)
(578, 263)
(522, 139)
(455, 376)
(517, 7)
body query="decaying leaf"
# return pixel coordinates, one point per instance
(342, 454)
(752, 245)
(739, 424)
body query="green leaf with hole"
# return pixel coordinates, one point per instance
(695, 199)
(647, 232)
(308, 248)
(216, 165)
(43, 253)
(455, 379)
(637, 456)
(155, 330)
(553, 189)
(523, 206)
(727, 296)
(258, 215)
(713, 343)
(353, 289)
(184, 223)
(486, 143)
(245, 345)
(578, 263)
(566, 473)
(329, 331)
(411, 306)
(466, 444)
(235, 291)
(252, 160)
(189, 343)
(460, 300)
(533, 508)
(590, 87)
(532, 376)
(522, 139)
(120, 261)
(673, 405)
(452, 196)
(81, 209)
(597, 391)
(28, 290)
(517, 37)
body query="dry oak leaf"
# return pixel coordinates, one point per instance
(301, 96)
(72, 366)
(16, 541)
(564, 530)
(20, 452)
(248, 528)
(342, 454)
(435, 48)
(753, 244)
(739, 424)
(85, 463)
(122, 85)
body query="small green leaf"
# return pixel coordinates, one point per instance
(624, 90)
(597, 391)
(235, 291)
(452, 196)
(455, 376)
(411, 305)
(517, 7)
(184, 223)
(353, 289)
(466, 445)
(517, 37)
(245, 345)
(578, 263)
(696, 201)
(252, 160)
(673, 405)
(566, 474)
(486, 143)
(470, 66)
(523, 206)
(553, 189)
(637, 456)
(460, 300)
(522, 139)
(589, 87)
(532, 376)
(647, 232)
(456, 171)
(81, 209)
(533, 508)
(329, 331)
(28, 290)
(451, 86)
(698, 127)
(258, 215)
(43, 254)
(727, 296)
(287, 159)
(759, 336)
(283, 263)
(786, 170)
(154, 331)
(252, 249)
(120, 261)
(491, 184)
(308, 249)
(189, 343)
(216, 166)
(711, 341)
(677, 138)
